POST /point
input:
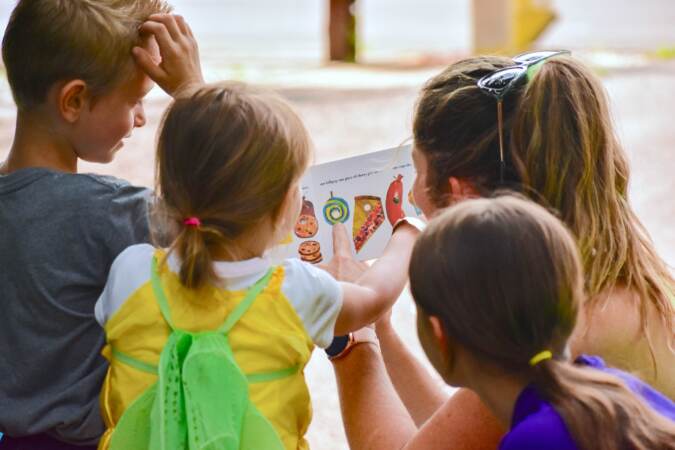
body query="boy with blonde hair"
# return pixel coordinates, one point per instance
(78, 93)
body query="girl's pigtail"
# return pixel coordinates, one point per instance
(599, 410)
(192, 245)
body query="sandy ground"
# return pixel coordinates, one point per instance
(352, 110)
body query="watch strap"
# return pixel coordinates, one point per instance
(364, 335)
(415, 222)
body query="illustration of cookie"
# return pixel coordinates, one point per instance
(368, 216)
(336, 210)
(306, 225)
(411, 199)
(395, 200)
(310, 251)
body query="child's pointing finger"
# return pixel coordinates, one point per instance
(341, 241)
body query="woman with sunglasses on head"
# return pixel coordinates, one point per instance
(558, 147)
(500, 326)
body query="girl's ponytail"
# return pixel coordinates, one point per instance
(563, 127)
(565, 151)
(600, 412)
(196, 260)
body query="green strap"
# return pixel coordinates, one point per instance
(245, 304)
(260, 377)
(159, 293)
(231, 320)
(133, 362)
(234, 316)
(264, 377)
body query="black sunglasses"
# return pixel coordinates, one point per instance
(500, 82)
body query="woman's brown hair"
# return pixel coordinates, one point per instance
(562, 152)
(505, 279)
(227, 154)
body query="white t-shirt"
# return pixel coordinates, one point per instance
(314, 294)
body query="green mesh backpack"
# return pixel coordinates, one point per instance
(201, 400)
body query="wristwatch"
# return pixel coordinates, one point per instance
(342, 345)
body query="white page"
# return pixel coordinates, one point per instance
(338, 183)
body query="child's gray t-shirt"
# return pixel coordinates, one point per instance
(59, 234)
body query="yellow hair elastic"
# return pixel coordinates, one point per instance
(541, 356)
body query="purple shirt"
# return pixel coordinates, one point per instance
(537, 425)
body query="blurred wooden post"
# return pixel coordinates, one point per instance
(342, 30)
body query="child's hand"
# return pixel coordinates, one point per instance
(343, 266)
(179, 70)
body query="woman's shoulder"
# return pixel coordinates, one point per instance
(610, 326)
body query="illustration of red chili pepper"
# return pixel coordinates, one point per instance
(395, 200)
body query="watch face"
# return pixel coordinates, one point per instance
(338, 345)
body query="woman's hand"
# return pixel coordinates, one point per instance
(343, 266)
(179, 70)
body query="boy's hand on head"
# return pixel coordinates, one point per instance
(180, 69)
(343, 266)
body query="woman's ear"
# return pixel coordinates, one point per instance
(461, 189)
(439, 333)
(72, 98)
(446, 350)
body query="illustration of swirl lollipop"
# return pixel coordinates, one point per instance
(336, 210)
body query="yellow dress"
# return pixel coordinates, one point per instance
(270, 337)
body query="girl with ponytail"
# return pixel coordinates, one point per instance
(229, 163)
(498, 283)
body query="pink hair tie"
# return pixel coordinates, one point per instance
(192, 222)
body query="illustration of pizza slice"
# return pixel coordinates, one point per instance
(368, 216)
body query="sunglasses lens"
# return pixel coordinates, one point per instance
(502, 78)
(530, 58)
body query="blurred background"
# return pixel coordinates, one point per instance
(352, 108)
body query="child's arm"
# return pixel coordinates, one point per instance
(180, 69)
(379, 287)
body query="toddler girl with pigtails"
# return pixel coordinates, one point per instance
(229, 163)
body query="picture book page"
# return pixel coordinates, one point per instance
(367, 193)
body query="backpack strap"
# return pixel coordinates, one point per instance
(258, 377)
(264, 377)
(159, 293)
(133, 362)
(230, 321)
(232, 318)
(246, 303)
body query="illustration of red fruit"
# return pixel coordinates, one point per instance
(395, 200)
